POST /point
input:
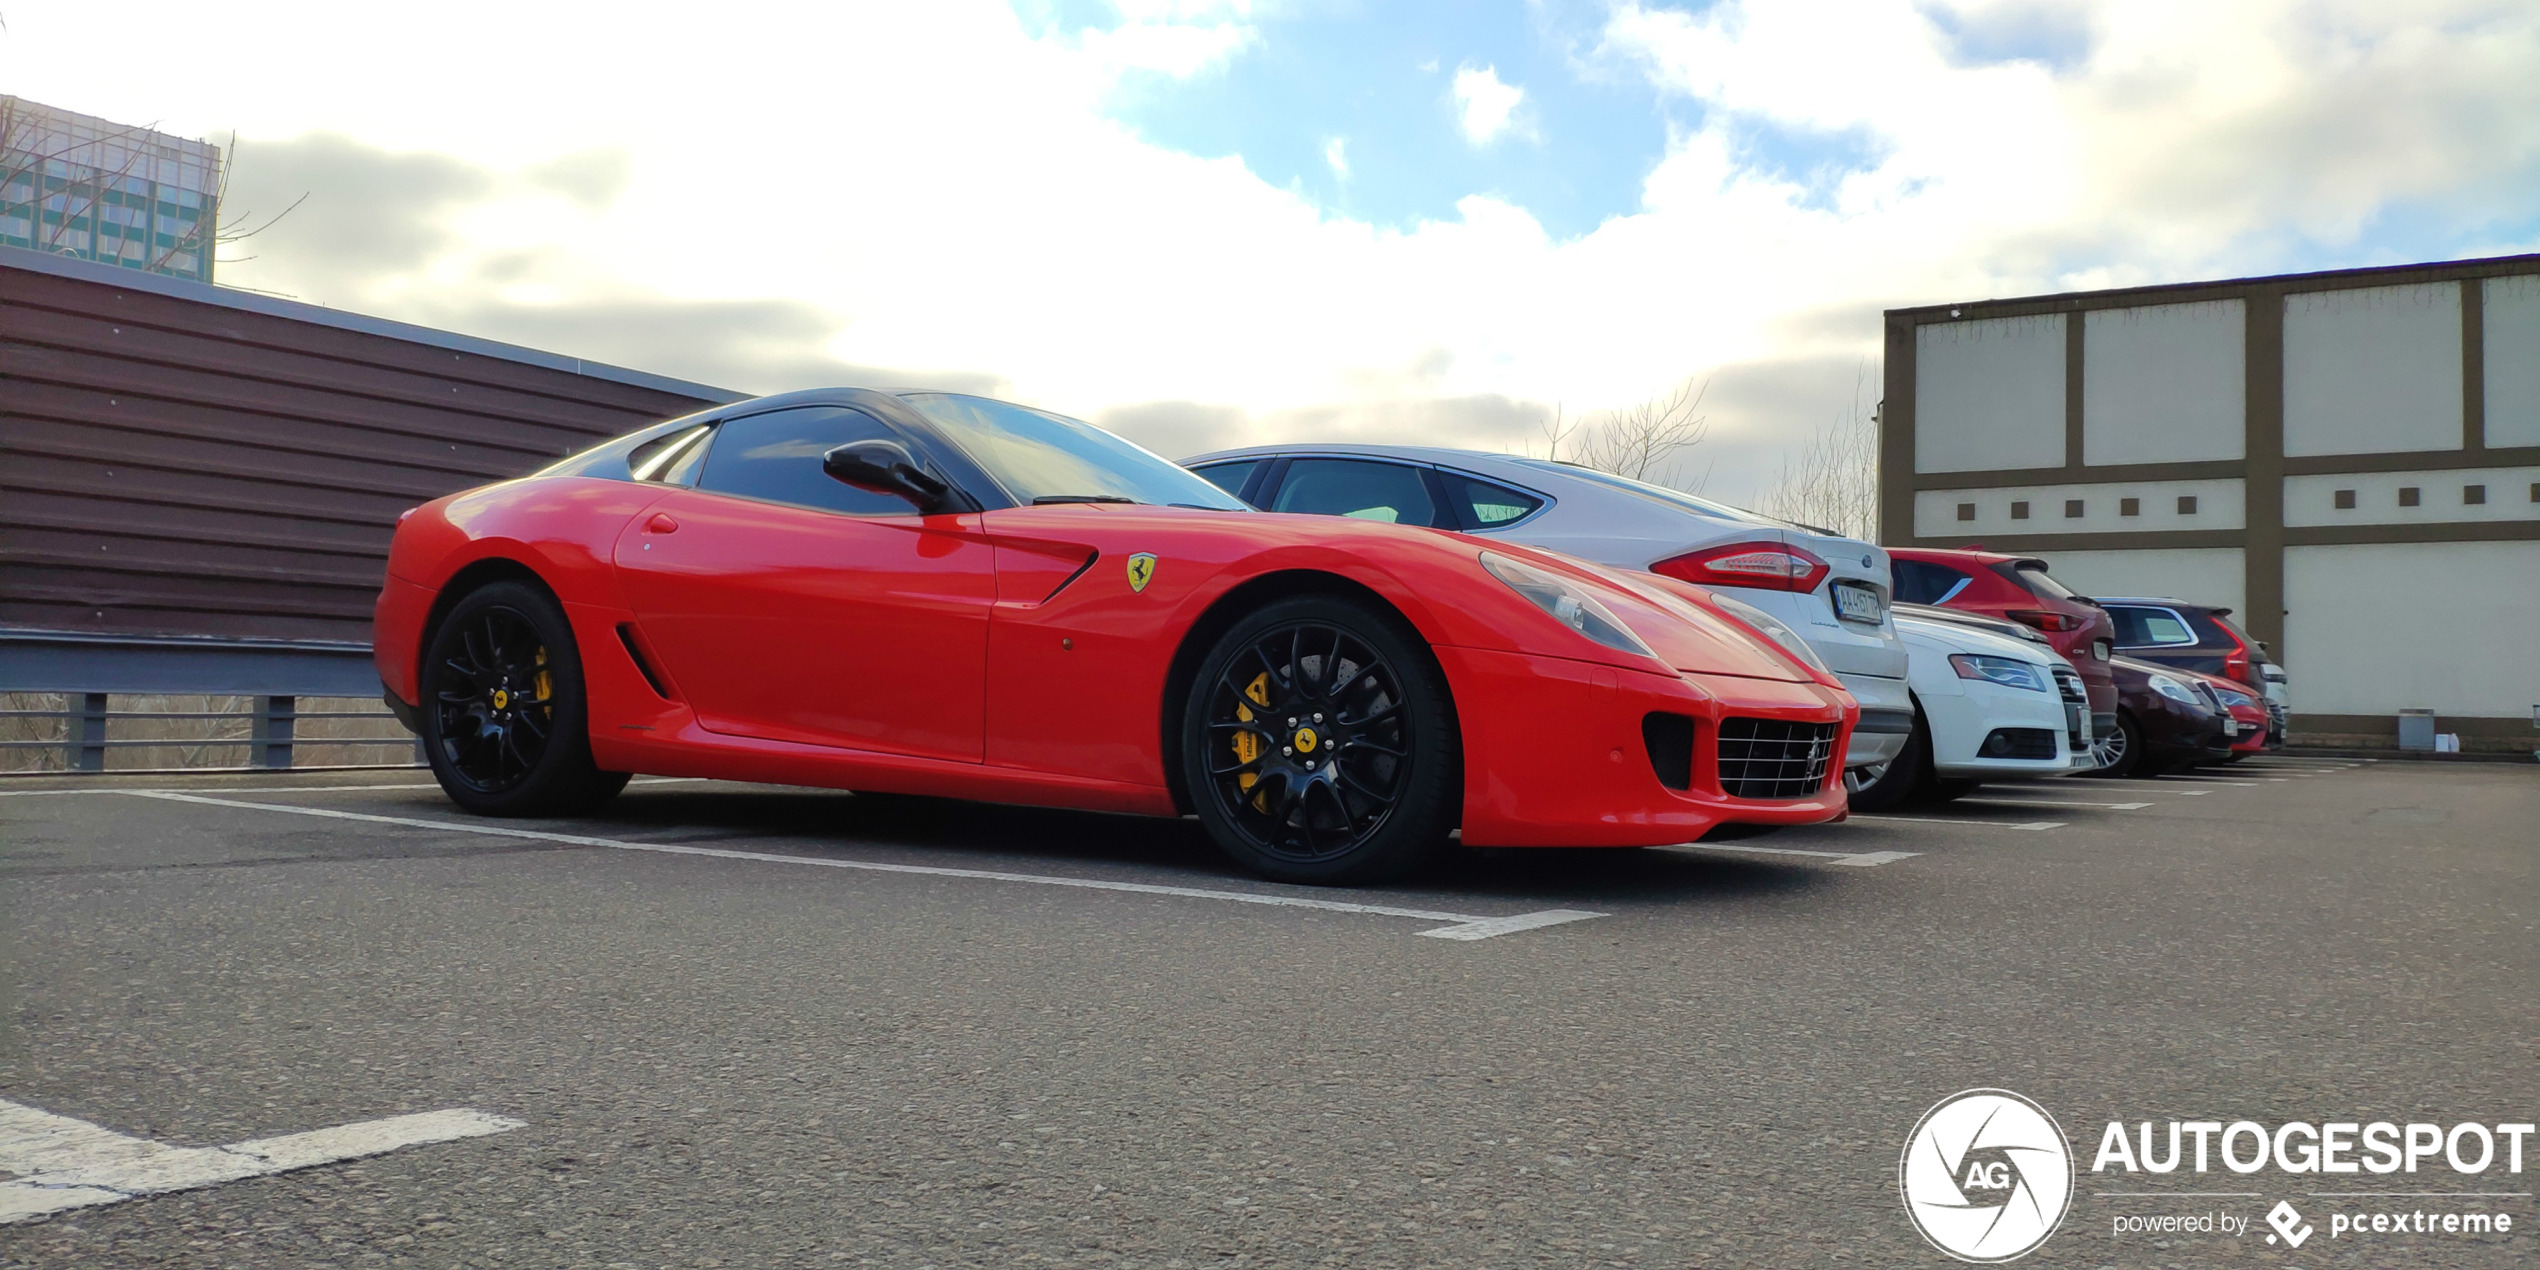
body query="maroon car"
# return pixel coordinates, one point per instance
(2018, 589)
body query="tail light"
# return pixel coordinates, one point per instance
(1771, 566)
(2236, 662)
(2048, 620)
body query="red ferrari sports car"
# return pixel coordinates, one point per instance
(929, 593)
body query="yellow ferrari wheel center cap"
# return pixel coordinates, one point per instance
(1305, 740)
(501, 699)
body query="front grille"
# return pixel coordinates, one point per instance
(2020, 743)
(2076, 708)
(2068, 682)
(1771, 758)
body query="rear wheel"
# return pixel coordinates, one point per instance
(505, 722)
(1319, 744)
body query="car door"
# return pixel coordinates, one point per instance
(787, 605)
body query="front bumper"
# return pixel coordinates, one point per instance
(1962, 723)
(1561, 753)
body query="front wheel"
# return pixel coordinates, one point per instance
(505, 722)
(1319, 744)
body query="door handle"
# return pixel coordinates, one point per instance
(661, 523)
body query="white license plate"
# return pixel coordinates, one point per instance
(1857, 603)
(2231, 727)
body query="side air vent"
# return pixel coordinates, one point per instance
(626, 636)
(1669, 738)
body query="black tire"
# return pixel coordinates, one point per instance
(1265, 706)
(1951, 789)
(2127, 744)
(505, 722)
(1896, 781)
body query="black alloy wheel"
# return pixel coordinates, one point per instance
(505, 723)
(1319, 745)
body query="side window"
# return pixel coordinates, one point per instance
(2148, 628)
(1229, 477)
(776, 457)
(672, 460)
(1359, 488)
(1488, 506)
(1921, 583)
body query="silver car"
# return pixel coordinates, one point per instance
(1823, 595)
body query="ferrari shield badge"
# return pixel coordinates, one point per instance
(1141, 570)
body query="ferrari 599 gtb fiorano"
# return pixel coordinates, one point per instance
(928, 593)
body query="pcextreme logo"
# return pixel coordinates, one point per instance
(1986, 1176)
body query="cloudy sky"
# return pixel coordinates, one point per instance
(1206, 222)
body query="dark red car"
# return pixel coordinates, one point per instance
(2017, 588)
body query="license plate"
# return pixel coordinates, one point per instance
(1857, 603)
(2231, 727)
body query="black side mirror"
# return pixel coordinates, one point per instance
(885, 467)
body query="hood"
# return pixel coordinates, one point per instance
(1949, 637)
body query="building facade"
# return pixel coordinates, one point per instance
(2349, 460)
(76, 185)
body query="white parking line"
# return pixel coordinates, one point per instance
(309, 789)
(62, 1163)
(2005, 801)
(1465, 925)
(1853, 859)
(2208, 780)
(1962, 824)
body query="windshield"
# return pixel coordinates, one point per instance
(1041, 457)
(1673, 497)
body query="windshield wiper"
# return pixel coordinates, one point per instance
(1046, 499)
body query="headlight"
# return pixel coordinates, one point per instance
(2230, 698)
(2174, 690)
(1998, 670)
(1774, 627)
(1567, 603)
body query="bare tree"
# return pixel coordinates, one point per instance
(1833, 482)
(27, 148)
(1638, 441)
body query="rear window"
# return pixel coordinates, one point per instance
(2032, 575)
(2149, 628)
(1485, 505)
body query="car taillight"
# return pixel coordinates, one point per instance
(1772, 566)
(2235, 662)
(2045, 620)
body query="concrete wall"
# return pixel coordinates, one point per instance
(1990, 395)
(2208, 575)
(2373, 370)
(2374, 628)
(2163, 383)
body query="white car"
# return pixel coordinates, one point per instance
(1991, 708)
(1822, 594)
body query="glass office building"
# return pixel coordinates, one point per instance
(115, 193)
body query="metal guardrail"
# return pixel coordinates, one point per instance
(272, 742)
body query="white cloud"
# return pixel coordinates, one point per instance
(1336, 153)
(930, 190)
(1484, 107)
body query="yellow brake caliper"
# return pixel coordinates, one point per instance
(546, 680)
(1248, 745)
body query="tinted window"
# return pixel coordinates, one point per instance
(1229, 477)
(1357, 488)
(2148, 628)
(1036, 455)
(2033, 576)
(1488, 506)
(1920, 583)
(672, 460)
(776, 457)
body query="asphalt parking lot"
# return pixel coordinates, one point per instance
(999, 1037)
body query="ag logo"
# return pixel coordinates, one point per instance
(1986, 1175)
(1141, 570)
